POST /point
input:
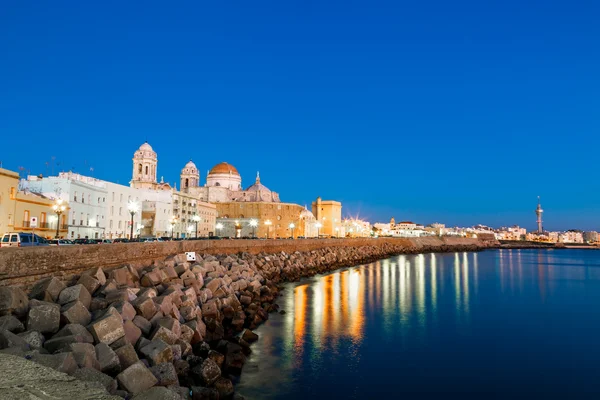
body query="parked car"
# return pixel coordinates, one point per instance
(122, 240)
(103, 241)
(19, 239)
(59, 242)
(84, 241)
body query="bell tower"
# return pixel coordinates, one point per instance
(145, 163)
(190, 177)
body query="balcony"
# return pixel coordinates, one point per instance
(44, 225)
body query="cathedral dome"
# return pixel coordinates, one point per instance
(145, 147)
(224, 168)
(190, 164)
(306, 214)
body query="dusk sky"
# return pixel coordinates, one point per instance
(460, 112)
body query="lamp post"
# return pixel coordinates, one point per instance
(292, 226)
(268, 223)
(173, 222)
(190, 228)
(219, 226)
(133, 208)
(318, 225)
(58, 208)
(253, 224)
(196, 219)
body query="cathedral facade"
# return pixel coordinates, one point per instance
(253, 211)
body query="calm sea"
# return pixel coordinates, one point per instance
(495, 324)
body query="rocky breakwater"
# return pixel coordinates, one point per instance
(172, 330)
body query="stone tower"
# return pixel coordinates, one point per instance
(145, 163)
(190, 177)
(539, 212)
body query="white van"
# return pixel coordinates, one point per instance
(19, 239)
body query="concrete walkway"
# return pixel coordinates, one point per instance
(21, 379)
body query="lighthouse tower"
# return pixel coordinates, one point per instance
(539, 212)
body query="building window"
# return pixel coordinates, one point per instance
(113, 196)
(119, 224)
(121, 197)
(110, 224)
(140, 168)
(146, 170)
(26, 218)
(75, 196)
(120, 210)
(112, 210)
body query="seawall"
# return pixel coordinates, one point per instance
(25, 266)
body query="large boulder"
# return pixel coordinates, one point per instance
(107, 329)
(10, 323)
(208, 372)
(158, 393)
(75, 313)
(73, 293)
(13, 301)
(204, 393)
(33, 338)
(108, 359)
(9, 339)
(75, 330)
(157, 352)
(85, 355)
(43, 317)
(127, 356)
(89, 282)
(145, 307)
(47, 289)
(136, 378)
(166, 374)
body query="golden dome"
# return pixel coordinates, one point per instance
(224, 168)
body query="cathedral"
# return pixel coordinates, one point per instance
(254, 211)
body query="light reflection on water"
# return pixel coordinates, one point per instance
(453, 318)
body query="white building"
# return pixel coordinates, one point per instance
(86, 198)
(119, 198)
(570, 237)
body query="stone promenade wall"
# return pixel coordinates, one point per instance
(24, 266)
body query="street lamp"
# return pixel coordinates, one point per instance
(190, 228)
(268, 223)
(318, 225)
(253, 224)
(173, 222)
(133, 208)
(292, 226)
(58, 208)
(219, 226)
(196, 219)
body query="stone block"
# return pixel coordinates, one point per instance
(151, 279)
(107, 329)
(75, 313)
(145, 307)
(118, 295)
(122, 277)
(217, 357)
(92, 375)
(75, 330)
(214, 284)
(9, 339)
(208, 372)
(210, 309)
(85, 355)
(33, 338)
(108, 359)
(98, 303)
(186, 348)
(157, 352)
(89, 282)
(136, 378)
(165, 334)
(132, 332)
(125, 309)
(43, 317)
(142, 323)
(187, 333)
(62, 343)
(13, 300)
(199, 329)
(163, 303)
(204, 393)
(171, 324)
(47, 289)
(119, 343)
(249, 336)
(166, 374)
(11, 323)
(73, 293)
(225, 387)
(127, 356)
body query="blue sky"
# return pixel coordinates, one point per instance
(459, 112)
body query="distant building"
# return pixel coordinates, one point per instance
(590, 237)
(329, 214)
(572, 236)
(512, 233)
(17, 207)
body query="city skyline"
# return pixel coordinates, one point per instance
(459, 120)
